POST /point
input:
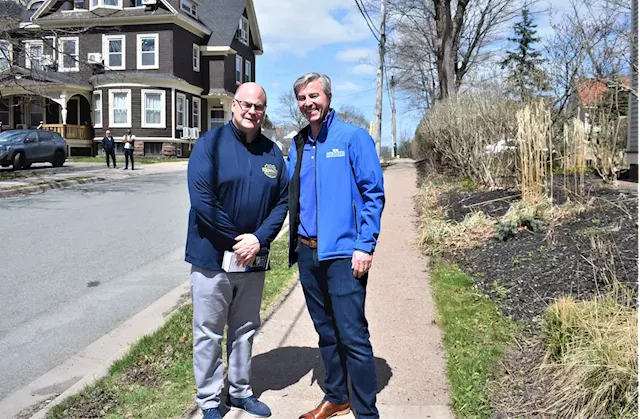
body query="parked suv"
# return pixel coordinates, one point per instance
(20, 148)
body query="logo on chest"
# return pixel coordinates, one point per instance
(335, 153)
(270, 170)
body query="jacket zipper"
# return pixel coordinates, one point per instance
(315, 181)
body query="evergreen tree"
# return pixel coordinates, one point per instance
(526, 78)
(267, 124)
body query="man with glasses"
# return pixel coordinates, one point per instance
(336, 199)
(238, 186)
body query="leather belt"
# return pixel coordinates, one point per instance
(312, 243)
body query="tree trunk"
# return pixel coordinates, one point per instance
(445, 54)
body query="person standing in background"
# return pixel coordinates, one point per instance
(109, 147)
(129, 141)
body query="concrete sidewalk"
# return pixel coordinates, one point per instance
(287, 369)
(42, 177)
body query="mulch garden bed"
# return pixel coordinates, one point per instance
(528, 271)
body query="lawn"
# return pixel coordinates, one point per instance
(155, 379)
(120, 158)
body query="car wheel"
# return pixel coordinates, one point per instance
(58, 159)
(18, 161)
(26, 166)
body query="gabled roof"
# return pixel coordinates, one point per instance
(222, 17)
(590, 91)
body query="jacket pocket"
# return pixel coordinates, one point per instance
(355, 217)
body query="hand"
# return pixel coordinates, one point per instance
(360, 263)
(246, 249)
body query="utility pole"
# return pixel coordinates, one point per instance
(394, 148)
(378, 111)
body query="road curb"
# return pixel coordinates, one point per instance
(61, 184)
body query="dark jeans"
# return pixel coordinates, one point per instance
(128, 154)
(335, 299)
(111, 154)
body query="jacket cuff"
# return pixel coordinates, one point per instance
(363, 247)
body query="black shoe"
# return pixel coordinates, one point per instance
(126, 168)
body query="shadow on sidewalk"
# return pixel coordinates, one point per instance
(283, 367)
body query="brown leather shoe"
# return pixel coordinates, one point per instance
(326, 410)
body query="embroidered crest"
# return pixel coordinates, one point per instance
(335, 153)
(270, 171)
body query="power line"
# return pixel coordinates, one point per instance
(366, 17)
(367, 13)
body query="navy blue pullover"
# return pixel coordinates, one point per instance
(235, 187)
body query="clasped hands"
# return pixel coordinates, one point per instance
(246, 249)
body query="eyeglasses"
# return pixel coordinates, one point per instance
(245, 106)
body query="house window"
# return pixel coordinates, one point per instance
(247, 70)
(78, 4)
(97, 109)
(217, 117)
(139, 3)
(4, 111)
(196, 57)
(109, 4)
(238, 69)
(120, 108)
(36, 111)
(33, 54)
(196, 113)
(181, 100)
(68, 54)
(190, 7)
(243, 30)
(5, 55)
(154, 149)
(148, 51)
(114, 49)
(153, 108)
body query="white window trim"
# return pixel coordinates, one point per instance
(105, 51)
(189, 12)
(61, 54)
(27, 46)
(10, 57)
(241, 23)
(163, 108)
(97, 93)
(100, 5)
(184, 110)
(196, 121)
(196, 50)
(111, 122)
(238, 60)
(247, 64)
(156, 64)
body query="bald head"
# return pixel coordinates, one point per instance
(253, 90)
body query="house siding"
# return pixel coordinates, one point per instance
(183, 56)
(136, 114)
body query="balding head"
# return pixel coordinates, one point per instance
(248, 108)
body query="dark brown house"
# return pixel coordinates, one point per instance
(167, 69)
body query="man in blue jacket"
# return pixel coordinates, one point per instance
(336, 197)
(238, 186)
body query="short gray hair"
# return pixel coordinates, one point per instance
(325, 82)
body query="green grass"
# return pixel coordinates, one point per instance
(120, 157)
(475, 336)
(155, 379)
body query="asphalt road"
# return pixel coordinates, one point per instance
(77, 262)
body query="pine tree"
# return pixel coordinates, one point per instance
(526, 78)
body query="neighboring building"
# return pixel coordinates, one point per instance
(588, 93)
(272, 135)
(167, 69)
(632, 138)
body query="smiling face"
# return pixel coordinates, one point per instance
(248, 107)
(313, 102)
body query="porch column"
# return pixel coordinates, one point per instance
(226, 105)
(64, 97)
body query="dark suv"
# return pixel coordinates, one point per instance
(20, 148)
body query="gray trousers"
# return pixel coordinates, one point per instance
(221, 298)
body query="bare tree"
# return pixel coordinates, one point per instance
(290, 112)
(353, 116)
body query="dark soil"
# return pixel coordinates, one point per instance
(94, 405)
(527, 272)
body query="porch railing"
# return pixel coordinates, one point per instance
(69, 132)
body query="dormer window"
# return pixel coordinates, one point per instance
(107, 4)
(190, 7)
(243, 30)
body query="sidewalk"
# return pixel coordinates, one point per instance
(287, 369)
(43, 177)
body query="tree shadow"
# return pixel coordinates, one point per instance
(283, 367)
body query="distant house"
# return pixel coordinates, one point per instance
(272, 135)
(167, 69)
(587, 95)
(632, 138)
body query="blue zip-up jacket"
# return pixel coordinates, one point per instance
(349, 188)
(235, 187)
